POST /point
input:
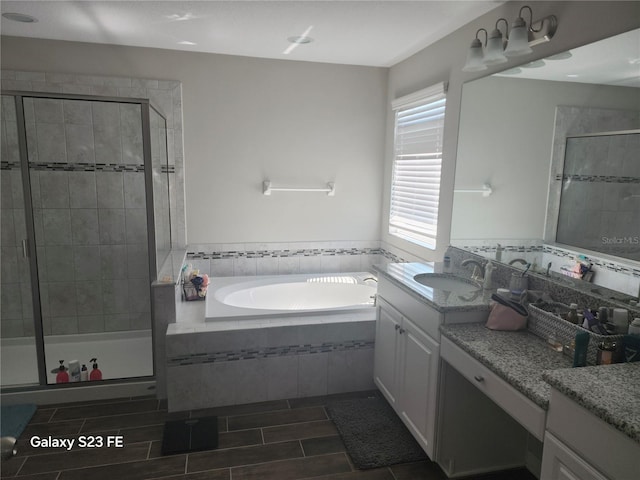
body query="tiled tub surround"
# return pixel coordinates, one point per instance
(234, 362)
(226, 260)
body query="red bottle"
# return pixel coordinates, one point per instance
(95, 374)
(62, 376)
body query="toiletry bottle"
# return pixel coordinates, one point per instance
(74, 371)
(95, 374)
(572, 316)
(554, 343)
(446, 264)
(606, 352)
(580, 352)
(84, 373)
(62, 376)
(488, 271)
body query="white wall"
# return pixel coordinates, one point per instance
(247, 120)
(579, 23)
(505, 137)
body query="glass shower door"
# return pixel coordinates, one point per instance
(18, 355)
(86, 168)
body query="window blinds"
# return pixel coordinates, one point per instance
(415, 188)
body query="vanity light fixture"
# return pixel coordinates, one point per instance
(495, 45)
(520, 39)
(475, 56)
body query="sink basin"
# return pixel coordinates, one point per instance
(448, 283)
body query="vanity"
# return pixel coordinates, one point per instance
(479, 400)
(407, 343)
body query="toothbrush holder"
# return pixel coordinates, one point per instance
(518, 283)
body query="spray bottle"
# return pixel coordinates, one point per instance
(95, 374)
(62, 375)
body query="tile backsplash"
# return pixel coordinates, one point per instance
(248, 259)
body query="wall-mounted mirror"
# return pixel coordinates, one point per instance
(555, 140)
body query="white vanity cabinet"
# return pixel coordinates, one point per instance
(578, 445)
(562, 463)
(406, 371)
(406, 361)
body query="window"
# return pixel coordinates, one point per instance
(415, 187)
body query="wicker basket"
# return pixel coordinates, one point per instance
(543, 324)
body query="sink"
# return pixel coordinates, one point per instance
(448, 283)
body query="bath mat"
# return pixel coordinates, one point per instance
(14, 419)
(191, 435)
(373, 434)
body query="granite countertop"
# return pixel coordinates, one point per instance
(519, 358)
(610, 392)
(401, 274)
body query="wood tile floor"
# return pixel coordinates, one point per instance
(277, 440)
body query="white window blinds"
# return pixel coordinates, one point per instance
(415, 188)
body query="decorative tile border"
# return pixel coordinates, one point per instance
(558, 252)
(505, 248)
(287, 253)
(267, 352)
(85, 167)
(596, 178)
(9, 165)
(598, 262)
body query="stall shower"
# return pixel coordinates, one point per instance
(85, 223)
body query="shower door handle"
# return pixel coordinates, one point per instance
(25, 248)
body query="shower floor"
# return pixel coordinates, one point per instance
(119, 354)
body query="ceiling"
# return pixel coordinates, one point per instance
(362, 32)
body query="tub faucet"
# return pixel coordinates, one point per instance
(521, 261)
(477, 264)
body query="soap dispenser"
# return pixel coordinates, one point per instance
(95, 374)
(62, 375)
(488, 270)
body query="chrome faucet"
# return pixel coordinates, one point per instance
(521, 261)
(477, 264)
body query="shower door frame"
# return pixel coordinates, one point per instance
(39, 339)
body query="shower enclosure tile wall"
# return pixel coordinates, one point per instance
(16, 304)
(89, 215)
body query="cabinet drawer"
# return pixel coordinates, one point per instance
(425, 317)
(523, 410)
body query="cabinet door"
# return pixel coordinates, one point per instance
(385, 359)
(418, 383)
(559, 462)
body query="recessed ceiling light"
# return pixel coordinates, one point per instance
(572, 75)
(186, 42)
(20, 17)
(300, 40)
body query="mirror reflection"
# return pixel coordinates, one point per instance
(558, 142)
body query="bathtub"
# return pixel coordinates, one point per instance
(274, 296)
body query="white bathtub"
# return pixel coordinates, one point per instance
(287, 295)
